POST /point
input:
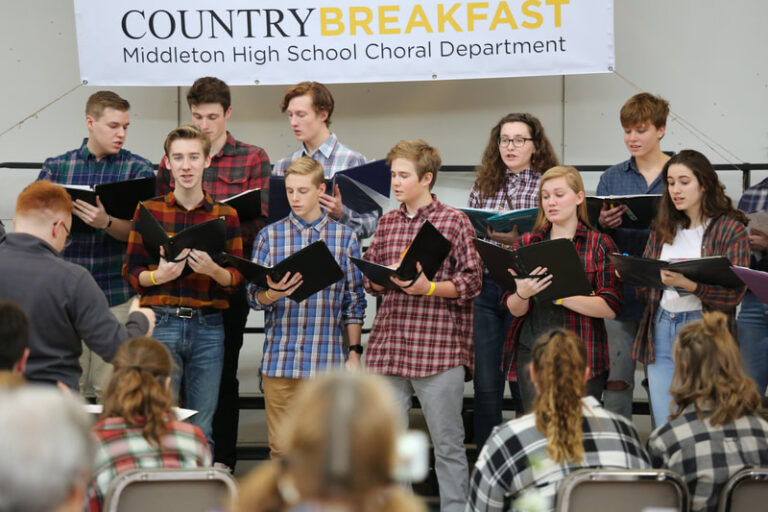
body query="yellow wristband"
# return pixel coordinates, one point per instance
(152, 278)
(266, 294)
(431, 288)
(559, 302)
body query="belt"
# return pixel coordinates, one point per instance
(182, 312)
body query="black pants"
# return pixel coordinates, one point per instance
(227, 416)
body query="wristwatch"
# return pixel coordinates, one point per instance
(356, 348)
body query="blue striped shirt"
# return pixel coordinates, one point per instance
(98, 252)
(306, 338)
(334, 157)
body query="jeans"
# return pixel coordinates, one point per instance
(753, 339)
(666, 325)
(621, 336)
(227, 417)
(491, 325)
(197, 347)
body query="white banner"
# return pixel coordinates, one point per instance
(173, 42)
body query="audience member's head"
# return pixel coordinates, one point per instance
(139, 388)
(708, 373)
(339, 448)
(47, 451)
(559, 372)
(45, 211)
(14, 337)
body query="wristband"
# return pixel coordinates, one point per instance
(266, 294)
(559, 302)
(109, 225)
(521, 297)
(431, 288)
(152, 278)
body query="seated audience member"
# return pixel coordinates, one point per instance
(339, 452)
(137, 428)
(61, 299)
(528, 457)
(14, 337)
(47, 451)
(715, 428)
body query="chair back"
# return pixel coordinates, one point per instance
(746, 490)
(170, 490)
(622, 490)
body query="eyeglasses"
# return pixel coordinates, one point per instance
(517, 142)
(68, 241)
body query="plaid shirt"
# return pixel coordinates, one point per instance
(755, 199)
(122, 448)
(514, 460)
(519, 191)
(195, 290)
(237, 167)
(302, 339)
(334, 157)
(593, 249)
(417, 336)
(707, 456)
(98, 252)
(724, 236)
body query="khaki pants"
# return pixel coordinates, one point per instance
(97, 372)
(278, 397)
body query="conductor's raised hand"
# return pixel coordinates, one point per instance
(170, 270)
(527, 288)
(418, 286)
(285, 286)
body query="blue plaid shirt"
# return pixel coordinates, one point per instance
(619, 180)
(99, 253)
(306, 338)
(334, 157)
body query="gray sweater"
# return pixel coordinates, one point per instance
(64, 305)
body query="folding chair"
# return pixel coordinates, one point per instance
(745, 490)
(609, 490)
(170, 490)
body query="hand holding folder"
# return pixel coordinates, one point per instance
(558, 257)
(428, 249)
(639, 210)
(315, 265)
(646, 272)
(119, 198)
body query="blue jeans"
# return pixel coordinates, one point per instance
(197, 347)
(621, 336)
(665, 328)
(491, 325)
(753, 339)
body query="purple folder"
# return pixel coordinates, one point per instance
(755, 280)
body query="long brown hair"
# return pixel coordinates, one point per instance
(714, 202)
(137, 390)
(491, 173)
(339, 445)
(708, 373)
(560, 363)
(574, 181)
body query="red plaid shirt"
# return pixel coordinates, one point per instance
(236, 168)
(724, 236)
(593, 249)
(418, 336)
(195, 290)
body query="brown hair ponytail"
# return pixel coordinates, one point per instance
(559, 363)
(136, 391)
(708, 372)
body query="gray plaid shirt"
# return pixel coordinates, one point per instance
(514, 462)
(706, 456)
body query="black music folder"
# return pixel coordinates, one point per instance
(429, 247)
(209, 236)
(318, 268)
(559, 256)
(645, 272)
(247, 204)
(119, 198)
(363, 189)
(640, 212)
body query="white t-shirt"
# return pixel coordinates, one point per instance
(687, 245)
